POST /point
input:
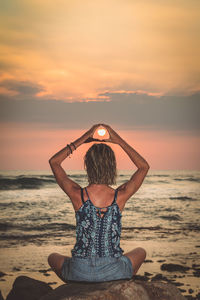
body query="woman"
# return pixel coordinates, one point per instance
(97, 255)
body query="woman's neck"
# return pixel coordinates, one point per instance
(98, 185)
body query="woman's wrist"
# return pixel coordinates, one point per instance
(80, 140)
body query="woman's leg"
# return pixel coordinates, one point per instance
(137, 257)
(56, 261)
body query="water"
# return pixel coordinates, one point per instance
(37, 218)
(35, 210)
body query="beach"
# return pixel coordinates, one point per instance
(37, 219)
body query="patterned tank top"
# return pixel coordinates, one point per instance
(98, 231)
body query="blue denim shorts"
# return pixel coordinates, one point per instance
(96, 269)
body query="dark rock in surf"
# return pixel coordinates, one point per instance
(2, 274)
(195, 266)
(196, 273)
(174, 268)
(25, 288)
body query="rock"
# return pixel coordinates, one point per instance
(140, 277)
(189, 297)
(44, 271)
(16, 269)
(196, 273)
(178, 283)
(148, 261)
(52, 282)
(2, 274)
(159, 277)
(194, 266)
(115, 290)
(198, 296)
(1, 297)
(174, 268)
(25, 288)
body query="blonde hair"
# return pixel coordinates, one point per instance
(100, 164)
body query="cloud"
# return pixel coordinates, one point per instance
(22, 88)
(129, 110)
(83, 47)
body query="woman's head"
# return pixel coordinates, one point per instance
(100, 164)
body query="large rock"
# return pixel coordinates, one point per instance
(25, 288)
(1, 297)
(115, 290)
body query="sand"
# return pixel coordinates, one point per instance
(31, 260)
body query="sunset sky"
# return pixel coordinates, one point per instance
(66, 65)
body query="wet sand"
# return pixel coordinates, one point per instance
(31, 260)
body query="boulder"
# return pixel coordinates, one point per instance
(115, 290)
(25, 288)
(1, 297)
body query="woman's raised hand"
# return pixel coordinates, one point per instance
(89, 134)
(114, 137)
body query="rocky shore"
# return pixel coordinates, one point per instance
(146, 287)
(28, 288)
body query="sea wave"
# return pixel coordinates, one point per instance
(32, 182)
(23, 182)
(40, 227)
(182, 198)
(171, 217)
(125, 228)
(195, 179)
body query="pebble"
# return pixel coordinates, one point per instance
(16, 269)
(147, 274)
(161, 260)
(148, 261)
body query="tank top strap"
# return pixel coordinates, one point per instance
(82, 196)
(87, 193)
(115, 197)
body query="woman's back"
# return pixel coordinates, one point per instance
(98, 228)
(101, 195)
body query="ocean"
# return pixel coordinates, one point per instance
(162, 216)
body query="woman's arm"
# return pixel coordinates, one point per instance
(137, 178)
(132, 185)
(67, 185)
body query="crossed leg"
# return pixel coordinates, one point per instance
(56, 261)
(137, 257)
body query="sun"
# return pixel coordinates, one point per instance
(101, 132)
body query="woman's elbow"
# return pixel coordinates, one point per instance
(51, 160)
(145, 165)
(148, 166)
